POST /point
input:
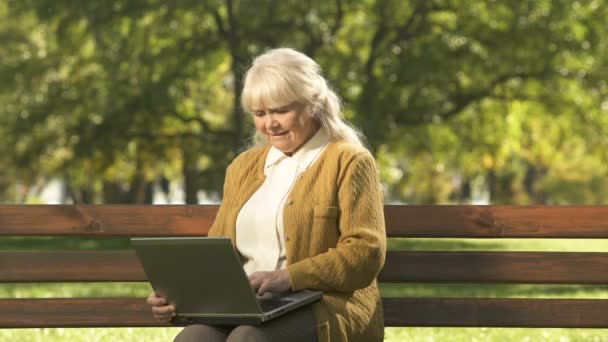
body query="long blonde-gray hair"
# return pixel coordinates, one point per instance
(284, 76)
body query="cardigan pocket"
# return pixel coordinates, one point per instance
(325, 229)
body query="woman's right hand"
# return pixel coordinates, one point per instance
(162, 311)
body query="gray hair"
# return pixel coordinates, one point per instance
(283, 76)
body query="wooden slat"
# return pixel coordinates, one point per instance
(471, 221)
(75, 312)
(412, 267)
(70, 266)
(503, 312)
(584, 268)
(401, 221)
(106, 220)
(422, 312)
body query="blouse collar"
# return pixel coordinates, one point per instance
(305, 155)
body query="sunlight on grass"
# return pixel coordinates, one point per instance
(74, 290)
(392, 335)
(90, 334)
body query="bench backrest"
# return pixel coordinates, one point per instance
(401, 266)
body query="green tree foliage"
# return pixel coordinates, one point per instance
(461, 101)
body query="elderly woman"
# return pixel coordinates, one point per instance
(304, 208)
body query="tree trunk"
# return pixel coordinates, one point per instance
(534, 174)
(238, 72)
(190, 174)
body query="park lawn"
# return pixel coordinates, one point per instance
(392, 335)
(389, 290)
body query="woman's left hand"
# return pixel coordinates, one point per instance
(276, 281)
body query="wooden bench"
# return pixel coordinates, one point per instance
(401, 266)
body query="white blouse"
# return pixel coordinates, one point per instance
(259, 224)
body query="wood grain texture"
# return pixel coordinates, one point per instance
(106, 220)
(70, 266)
(402, 312)
(498, 221)
(496, 312)
(400, 267)
(583, 268)
(75, 312)
(401, 220)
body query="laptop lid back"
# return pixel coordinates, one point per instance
(200, 276)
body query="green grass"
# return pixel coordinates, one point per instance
(392, 335)
(389, 290)
(520, 245)
(89, 334)
(74, 290)
(46, 243)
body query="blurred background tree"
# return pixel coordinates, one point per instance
(462, 101)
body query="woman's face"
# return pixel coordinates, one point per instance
(287, 128)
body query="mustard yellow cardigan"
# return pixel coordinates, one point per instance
(334, 232)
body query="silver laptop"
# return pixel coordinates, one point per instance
(204, 279)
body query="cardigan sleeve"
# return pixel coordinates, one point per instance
(360, 252)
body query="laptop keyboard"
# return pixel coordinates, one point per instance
(269, 304)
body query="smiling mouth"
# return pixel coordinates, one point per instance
(278, 134)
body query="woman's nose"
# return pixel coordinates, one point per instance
(271, 121)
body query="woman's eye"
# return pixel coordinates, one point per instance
(259, 114)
